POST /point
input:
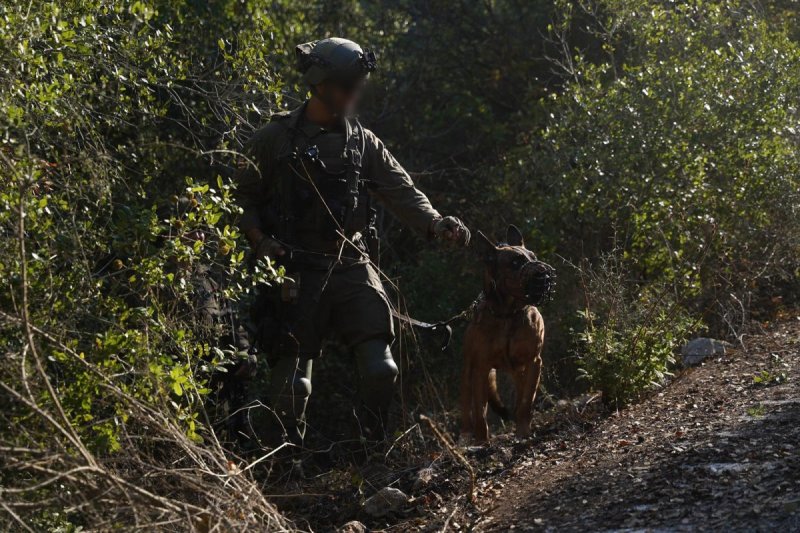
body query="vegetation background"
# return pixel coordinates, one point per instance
(648, 149)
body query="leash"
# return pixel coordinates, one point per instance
(444, 327)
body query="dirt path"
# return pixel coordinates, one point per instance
(716, 450)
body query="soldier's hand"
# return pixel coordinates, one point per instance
(269, 247)
(451, 229)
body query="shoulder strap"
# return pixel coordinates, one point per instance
(354, 155)
(284, 184)
(289, 121)
(354, 152)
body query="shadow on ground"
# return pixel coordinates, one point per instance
(715, 451)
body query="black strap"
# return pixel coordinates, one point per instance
(355, 147)
(439, 327)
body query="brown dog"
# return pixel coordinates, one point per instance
(505, 334)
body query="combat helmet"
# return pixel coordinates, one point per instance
(334, 59)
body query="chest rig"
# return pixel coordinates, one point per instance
(321, 190)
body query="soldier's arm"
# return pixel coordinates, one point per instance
(392, 185)
(252, 182)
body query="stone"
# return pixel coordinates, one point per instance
(386, 501)
(727, 468)
(354, 526)
(698, 350)
(424, 478)
(504, 454)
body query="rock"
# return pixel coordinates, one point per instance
(563, 406)
(698, 350)
(504, 454)
(424, 478)
(354, 526)
(727, 468)
(385, 501)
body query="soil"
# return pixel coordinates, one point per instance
(714, 450)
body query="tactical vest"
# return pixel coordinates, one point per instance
(320, 189)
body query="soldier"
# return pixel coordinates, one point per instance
(306, 190)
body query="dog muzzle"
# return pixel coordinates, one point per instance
(539, 282)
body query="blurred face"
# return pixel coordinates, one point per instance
(341, 96)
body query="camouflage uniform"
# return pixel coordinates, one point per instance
(295, 188)
(308, 191)
(278, 178)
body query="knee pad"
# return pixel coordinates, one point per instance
(301, 386)
(375, 361)
(290, 378)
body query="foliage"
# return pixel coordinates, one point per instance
(680, 145)
(677, 145)
(652, 143)
(775, 375)
(119, 121)
(765, 378)
(629, 334)
(713, 199)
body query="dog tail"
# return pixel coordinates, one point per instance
(494, 398)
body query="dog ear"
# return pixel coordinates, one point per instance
(485, 247)
(514, 236)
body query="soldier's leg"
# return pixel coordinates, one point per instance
(289, 389)
(377, 373)
(363, 319)
(295, 344)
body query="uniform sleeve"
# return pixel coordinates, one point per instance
(393, 187)
(252, 178)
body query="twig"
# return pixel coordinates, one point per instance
(447, 522)
(406, 432)
(267, 456)
(16, 517)
(455, 453)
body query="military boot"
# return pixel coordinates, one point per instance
(377, 373)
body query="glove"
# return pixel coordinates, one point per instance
(269, 247)
(451, 229)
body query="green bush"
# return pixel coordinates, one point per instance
(112, 112)
(630, 333)
(671, 138)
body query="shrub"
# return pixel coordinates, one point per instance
(630, 333)
(110, 112)
(678, 143)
